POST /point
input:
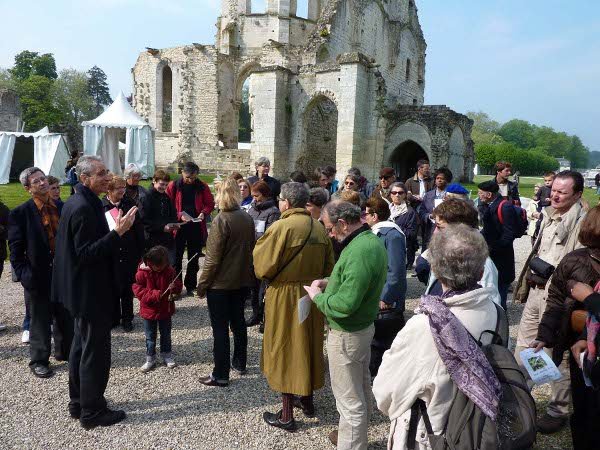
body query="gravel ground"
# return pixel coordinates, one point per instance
(170, 408)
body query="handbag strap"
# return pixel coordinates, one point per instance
(296, 253)
(418, 409)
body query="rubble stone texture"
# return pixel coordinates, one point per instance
(10, 111)
(344, 86)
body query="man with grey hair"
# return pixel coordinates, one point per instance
(293, 250)
(350, 302)
(32, 228)
(263, 167)
(133, 190)
(85, 280)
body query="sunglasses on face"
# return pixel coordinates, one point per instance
(349, 183)
(385, 178)
(397, 192)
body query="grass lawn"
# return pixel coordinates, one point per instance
(13, 194)
(526, 185)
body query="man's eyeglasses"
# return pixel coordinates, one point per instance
(38, 180)
(397, 192)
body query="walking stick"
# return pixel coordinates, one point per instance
(181, 271)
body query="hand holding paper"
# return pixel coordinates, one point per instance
(540, 366)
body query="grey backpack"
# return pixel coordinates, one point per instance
(468, 428)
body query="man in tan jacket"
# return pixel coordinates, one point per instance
(557, 237)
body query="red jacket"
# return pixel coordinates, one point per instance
(148, 287)
(205, 202)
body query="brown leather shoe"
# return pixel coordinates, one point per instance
(333, 437)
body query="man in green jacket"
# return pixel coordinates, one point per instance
(350, 302)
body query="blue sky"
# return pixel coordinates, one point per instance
(538, 60)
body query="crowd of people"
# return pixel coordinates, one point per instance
(310, 255)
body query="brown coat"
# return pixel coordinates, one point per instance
(412, 185)
(554, 328)
(228, 261)
(292, 354)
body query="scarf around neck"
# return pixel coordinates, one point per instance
(466, 363)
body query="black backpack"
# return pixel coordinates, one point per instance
(468, 428)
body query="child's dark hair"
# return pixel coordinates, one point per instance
(158, 256)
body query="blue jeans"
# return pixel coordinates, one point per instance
(27, 319)
(150, 330)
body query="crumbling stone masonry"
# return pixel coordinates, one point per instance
(344, 86)
(10, 111)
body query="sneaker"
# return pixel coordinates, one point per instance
(170, 362)
(148, 365)
(25, 337)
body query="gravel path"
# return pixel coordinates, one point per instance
(166, 408)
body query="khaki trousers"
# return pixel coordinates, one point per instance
(528, 328)
(349, 356)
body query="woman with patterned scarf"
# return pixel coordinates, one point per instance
(433, 352)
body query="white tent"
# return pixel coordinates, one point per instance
(101, 137)
(49, 153)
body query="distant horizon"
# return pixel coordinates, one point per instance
(537, 61)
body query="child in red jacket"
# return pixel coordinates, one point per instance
(154, 286)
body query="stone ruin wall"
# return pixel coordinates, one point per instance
(10, 111)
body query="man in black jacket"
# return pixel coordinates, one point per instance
(160, 215)
(499, 235)
(32, 228)
(509, 190)
(84, 280)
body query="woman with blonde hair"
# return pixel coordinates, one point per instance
(225, 279)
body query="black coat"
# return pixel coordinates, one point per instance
(85, 278)
(500, 237)
(513, 191)
(4, 212)
(131, 248)
(159, 210)
(30, 253)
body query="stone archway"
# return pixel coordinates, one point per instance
(320, 124)
(167, 99)
(404, 159)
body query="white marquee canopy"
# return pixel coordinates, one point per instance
(50, 152)
(101, 138)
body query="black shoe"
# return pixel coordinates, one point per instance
(41, 371)
(261, 328)
(190, 292)
(274, 419)
(106, 419)
(210, 381)
(127, 326)
(239, 371)
(60, 357)
(75, 410)
(307, 411)
(253, 321)
(548, 424)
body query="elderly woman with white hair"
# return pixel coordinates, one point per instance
(421, 355)
(133, 190)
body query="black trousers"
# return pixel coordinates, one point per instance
(226, 309)
(257, 299)
(412, 244)
(387, 326)
(123, 301)
(586, 411)
(190, 236)
(89, 366)
(45, 313)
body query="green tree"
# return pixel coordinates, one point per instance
(519, 132)
(578, 153)
(6, 80)
(98, 88)
(485, 130)
(45, 66)
(594, 159)
(485, 156)
(36, 93)
(73, 100)
(23, 67)
(245, 121)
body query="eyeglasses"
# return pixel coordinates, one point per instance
(397, 192)
(370, 213)
(386, 177)
(38, 180)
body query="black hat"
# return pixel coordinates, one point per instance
(489, 186)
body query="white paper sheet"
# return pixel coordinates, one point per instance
(540, 366)
(259, 226)
(304, 305)
(111, 222)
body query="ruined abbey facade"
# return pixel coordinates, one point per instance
(344, 86)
